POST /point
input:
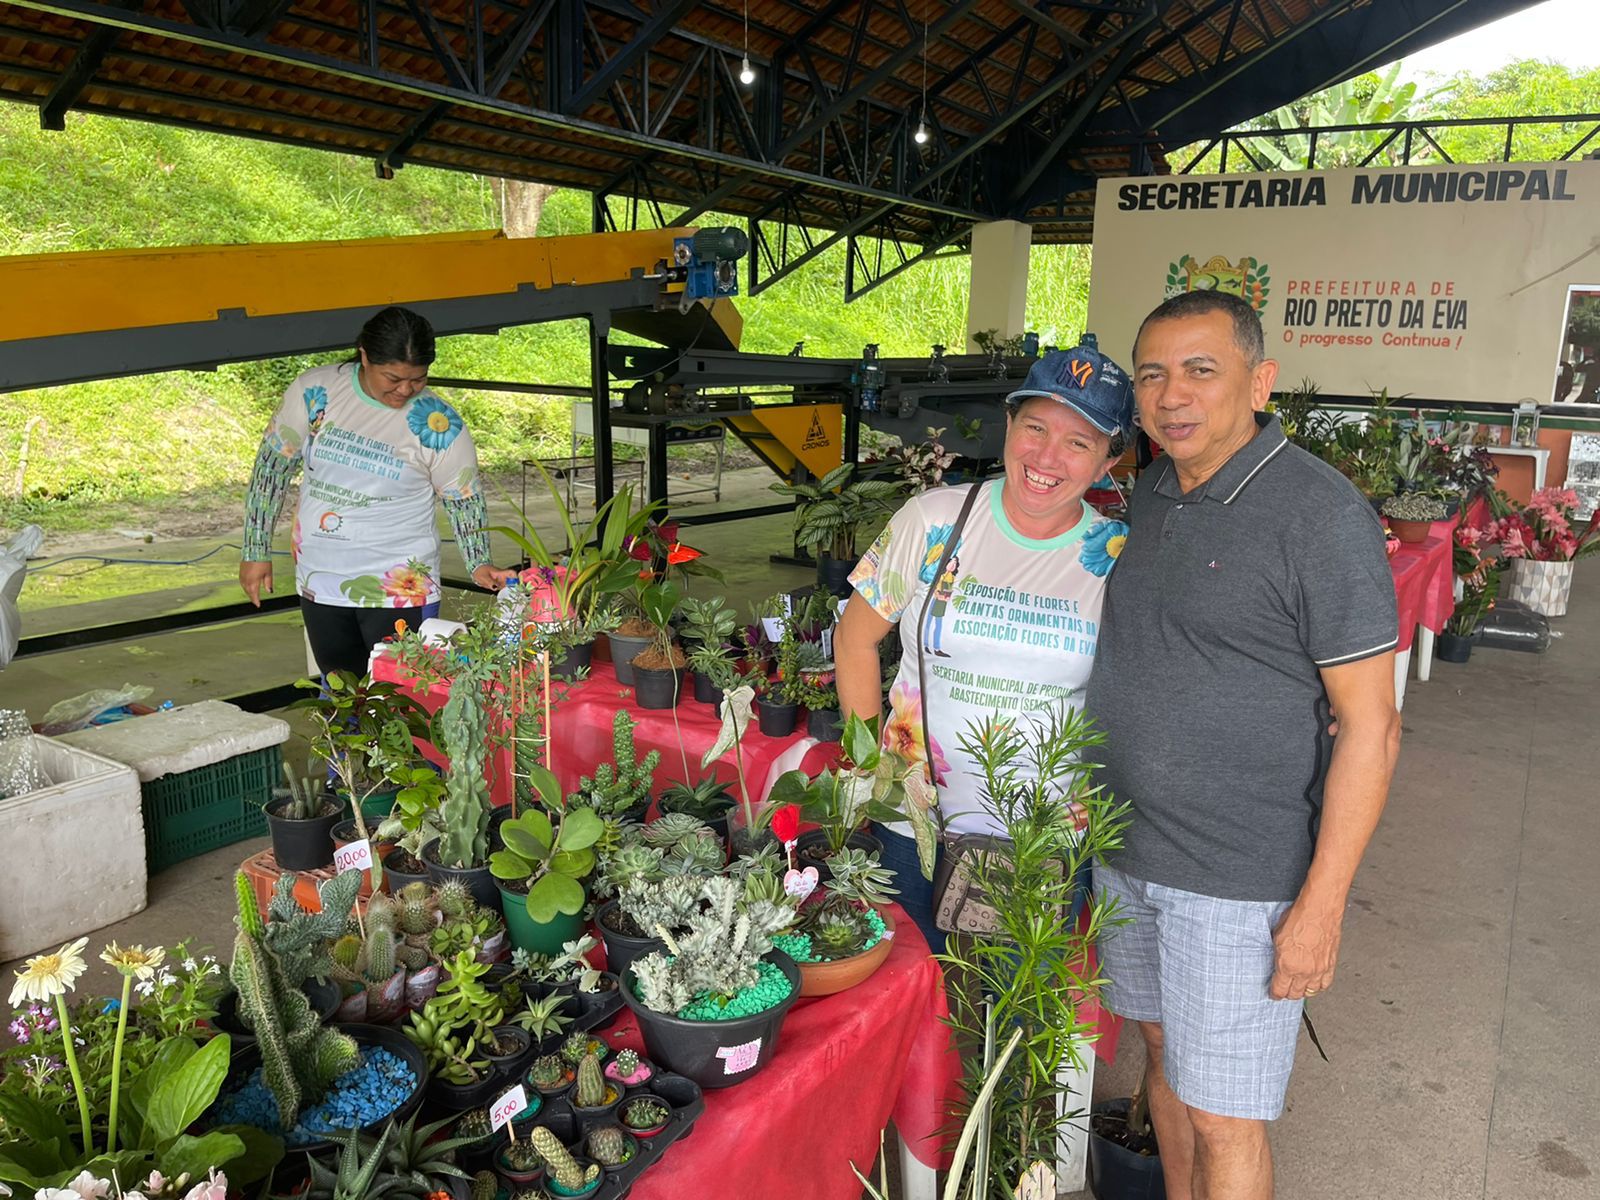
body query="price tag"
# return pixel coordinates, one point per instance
(739, 1058)
(508, 1106)
(357, 856)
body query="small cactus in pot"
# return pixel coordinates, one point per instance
(628, 1069)
(592, 1090)
(645, 1114)
(610, 1146)
(549, 1073)
(564, 1170)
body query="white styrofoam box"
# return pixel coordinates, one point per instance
(181, 739)
(76, 850)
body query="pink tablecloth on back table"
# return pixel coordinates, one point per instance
(1424, 582)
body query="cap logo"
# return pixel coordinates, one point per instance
(1082, 372)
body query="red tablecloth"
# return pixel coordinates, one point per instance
(582, 737)
(1424, 582)
(845, 1065)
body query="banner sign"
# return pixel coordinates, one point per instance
(1441, 282)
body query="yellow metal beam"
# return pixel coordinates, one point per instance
(785, 434)
(46, 295)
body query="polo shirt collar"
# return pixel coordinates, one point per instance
(1235, 474)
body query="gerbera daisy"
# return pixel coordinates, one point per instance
(46, 976)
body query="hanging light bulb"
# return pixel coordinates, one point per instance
(747, 73)
(921, 135)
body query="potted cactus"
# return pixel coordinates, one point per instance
(593, 1096)
(720, 984)
(550, 1074)
(565, 1175)
(620, 788)
(300, 818)
(612, 1146)
(645, 1116)
(845, 937)
(628, 923)
(519, 1164)
(628, 1069)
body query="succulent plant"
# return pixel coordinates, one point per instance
(522, 1156)
(627, 1062)
(609, 1146)
(836, 936)
(645, 1112)
(563, 1168)
(592, 1088)
(1414, 506)
(474, 1124)
(417, 909)
(718, 955)
(548, 1071)
(485, 1185)
(666, 832)
(576, 1046)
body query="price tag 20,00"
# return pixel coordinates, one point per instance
(357, 856)
(508, 1106)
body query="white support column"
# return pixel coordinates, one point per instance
(998, 294)
(1074, 1090)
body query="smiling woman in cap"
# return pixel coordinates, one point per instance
(1013, 618)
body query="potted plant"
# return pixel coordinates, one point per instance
(1541, 542)
(365, 732)
(714, 670)
(1124, 1160)
(630, 924)
(658, 668)
(593, 1097)
(629, 1070)
(519, 1164)
(707, 800)
(868, 785)
(820, 697)
(645, 1116)
(719, 984)
(621, 787)
(612, 1146)
(542, 869)
(454, 1030)
(412, 824)
(300, 819)
(1411, 515)
(564, 1175)
(778, 697)
(831, 514)
(707, 629)
(841, 939)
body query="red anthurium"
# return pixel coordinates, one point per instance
(786, 823)
(678, 553)
(638, 548)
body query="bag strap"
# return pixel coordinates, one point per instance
(922, 618)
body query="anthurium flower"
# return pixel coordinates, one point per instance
(786, 823)
(678, 553)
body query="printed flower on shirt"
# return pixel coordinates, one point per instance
(933, 551)
(902, 733)
(407, 586)
(1101, 546)
(434, 422)
(316, 399)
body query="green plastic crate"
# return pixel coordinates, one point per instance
(216, 805)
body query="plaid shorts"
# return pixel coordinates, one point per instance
(1200, 967)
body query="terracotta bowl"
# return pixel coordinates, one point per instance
(1411, 532)
(824, 979)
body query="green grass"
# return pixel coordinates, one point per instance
(186, 439)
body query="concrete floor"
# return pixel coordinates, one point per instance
(1462, 1029)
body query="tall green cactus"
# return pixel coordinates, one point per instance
(299, 1057)
(462, 732)
(564, 1169)
(591, 1090)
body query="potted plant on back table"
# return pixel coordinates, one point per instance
(832, 513)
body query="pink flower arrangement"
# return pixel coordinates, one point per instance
(1543, 530)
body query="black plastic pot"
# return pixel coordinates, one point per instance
(632, 1141)
(1117, 1173)
(577, 658)
(514, 1178)
(776, 720)
(1453, 648)
(555, 1192)
(302, 845)
(657, 688)
(825, 724)
(622, 948)
(816, 841)
(833, 574)
(590, 1119)
(705, 691)
(397, 870)
(458, 1097)
(514, 1062)
(623, 648)
(324, 997)
(478, 880)
(691, 1048)
(247, 1059)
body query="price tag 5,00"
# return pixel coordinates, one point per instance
(508, 1106)
(357, 856)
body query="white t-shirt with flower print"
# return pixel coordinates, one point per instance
(366, 532)
(1011, 629)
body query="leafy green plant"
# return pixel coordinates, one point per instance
(708, 620)
(835, 509)
(1037, 779)
(870, 785)
(552, 858)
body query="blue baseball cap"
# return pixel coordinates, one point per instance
(1083, 379)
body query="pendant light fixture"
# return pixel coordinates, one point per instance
(921, 135)
(747, 73)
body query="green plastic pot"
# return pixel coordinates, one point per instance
(537, 937)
